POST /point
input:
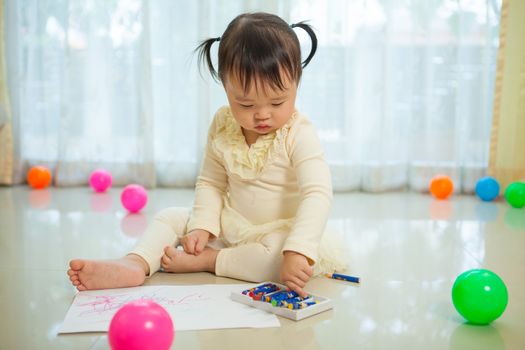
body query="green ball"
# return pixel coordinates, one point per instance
(515, 194)
(480, 296)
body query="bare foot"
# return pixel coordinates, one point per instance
(175, 260)
(129, 271)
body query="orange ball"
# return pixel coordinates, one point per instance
(441, 186)
(39, 177)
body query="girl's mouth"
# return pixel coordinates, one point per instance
(262, 127)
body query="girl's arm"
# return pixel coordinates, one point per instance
(315, 185)
(209, 191)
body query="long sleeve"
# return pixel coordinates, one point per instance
(211, 186)
(314, 181)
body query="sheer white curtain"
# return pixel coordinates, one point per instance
(399, 91)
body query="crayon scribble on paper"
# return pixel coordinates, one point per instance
(100, 304)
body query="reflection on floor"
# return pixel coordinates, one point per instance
(407, 248)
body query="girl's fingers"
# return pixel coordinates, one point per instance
(309, 271)
(188, 244)
(299, 278)
(199, 247)
(296, 289)
(296, 281)
(303, 276)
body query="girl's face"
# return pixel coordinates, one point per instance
(262, 109)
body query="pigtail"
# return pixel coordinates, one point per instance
(308, 29)
(204, 54)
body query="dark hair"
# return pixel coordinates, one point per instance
(258, 45)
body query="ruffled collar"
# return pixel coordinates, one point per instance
(248, 162)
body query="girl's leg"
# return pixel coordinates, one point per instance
(131, 270)
(166, 230)
(254, 262)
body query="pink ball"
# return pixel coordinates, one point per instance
(100, 180)
(141, 325)
(134, 198)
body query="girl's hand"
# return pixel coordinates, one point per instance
(296, 272)
(195, 241)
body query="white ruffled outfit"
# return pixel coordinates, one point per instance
(281, 183)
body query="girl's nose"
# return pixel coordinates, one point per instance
(262, 114)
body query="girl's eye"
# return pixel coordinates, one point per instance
(246, 106)
(277, 104)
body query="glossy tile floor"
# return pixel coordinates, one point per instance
(406, 247)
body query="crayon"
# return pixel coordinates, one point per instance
(294, 300)
(342, 277)
(260, 293)
(261, 289)
(278, 298)
(302, 304)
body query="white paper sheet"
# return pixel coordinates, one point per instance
(191, 308)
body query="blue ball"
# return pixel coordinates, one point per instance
(487, 188)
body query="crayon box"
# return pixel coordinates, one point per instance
(275, 298)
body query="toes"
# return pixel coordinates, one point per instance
(73, 278)
(76, 264)
(165, 260)
(71, 273)
(170, 251)
(81, 287)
